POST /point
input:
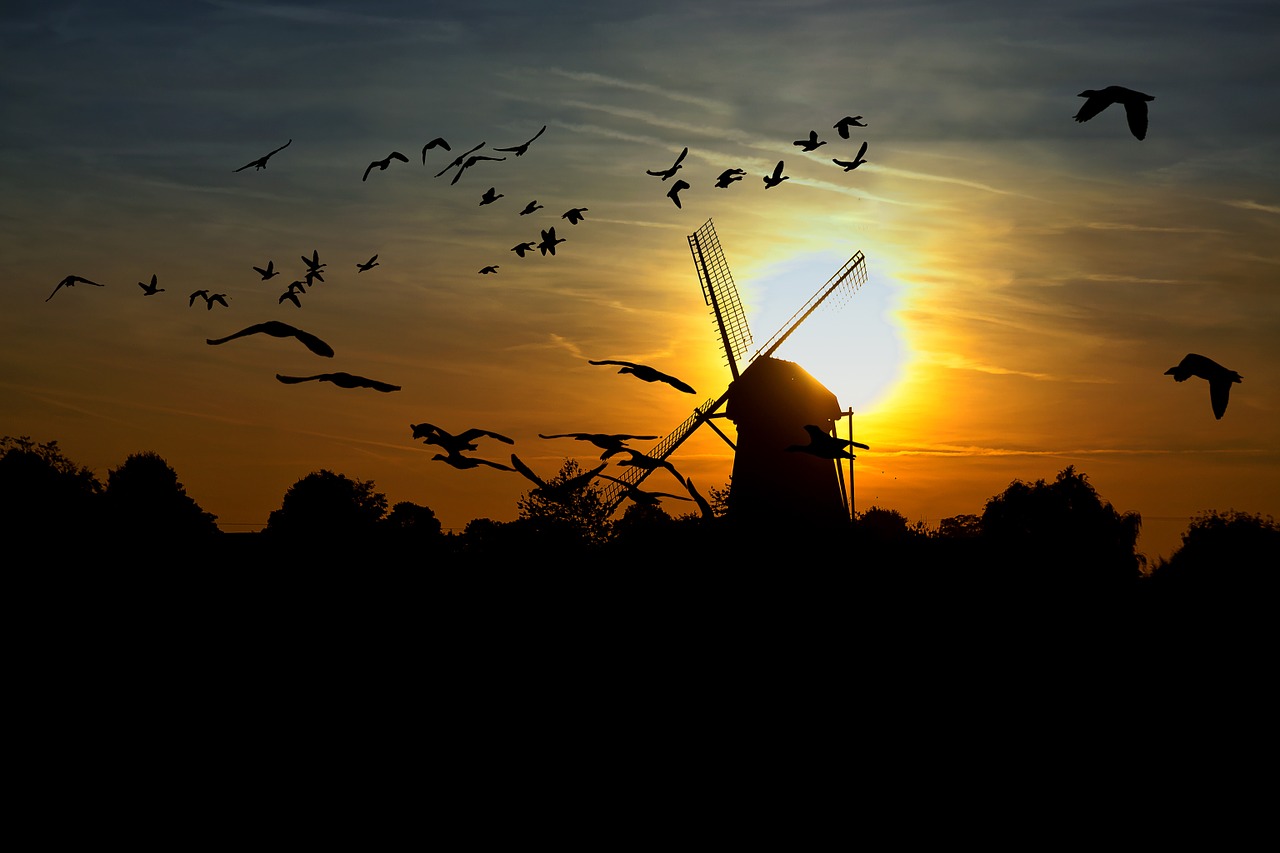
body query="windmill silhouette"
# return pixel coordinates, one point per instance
(770, 402)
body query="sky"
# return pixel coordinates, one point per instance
(1030, 277)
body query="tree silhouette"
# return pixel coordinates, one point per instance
(1224, 556)
(45, 497)
(144, 501)
(324, 507)
(582, 516)
(409, 517)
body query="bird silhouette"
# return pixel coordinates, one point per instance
(1135, 106)
(465, 440)
(675, 167)
(519, 150)
(642, 497)
(674, 192)
(312, 276)
(199, 294)
(610, 443)
(1220, 379)
(291, 296)
(148, 289)
(211, 298)
(342, 380)
(648, 463)
(855, 162)
(367, 265)
(457, 460)
(824, 445)
(703, 505)
(728, 176)
(471, 161)
(843, 125)
(435, 143)
(384, 163)
(648, 374)
(490, 196)
(457, 161)
(276, 329)
(559, 492)
(574, 215)
(521, 248)
(549, 241)
(71, 281)
(296, 287)
(811, 143)
(771, 181)
(261, 162)
(531, 207)
(489, 270)
(313, 262)
(269, 272)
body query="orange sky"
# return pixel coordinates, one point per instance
(1030, 277)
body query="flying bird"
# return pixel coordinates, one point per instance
(771, 181)
(642, 497)
(845, 123)
(313, 263)
(342, 380)
(210, 298)
(276, 329)
(384, 163)
(1220, 379)
(199, 294)
(531, 207)
(490, 196)
(574, 215)
(471, 161)
(674, 192)
(261, 162)
(549, 241)
(457, 460)
(518, 150)
(367, 265)
(811, 143)
(826, 446)
(465, 440)
(675, 167)
(290, 295)
(648, 374)
(855, 162)
(1135, 106)
(297, 287)
(457, 161)
(148, 289)
(521, 248)
(611, 444)
(704, 505)
(648, 463)
(559, 492)
(269, 272)
(728, 176)
(71, 281)
(489, 270)
(435, 143)
(312, 276)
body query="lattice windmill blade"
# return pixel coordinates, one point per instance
(719, 291)
(615, 493)
(846, 282)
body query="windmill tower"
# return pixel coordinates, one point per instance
(769, 400)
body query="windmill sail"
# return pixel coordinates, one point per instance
(719, 291)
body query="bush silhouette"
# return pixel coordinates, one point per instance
(145, 502)
(328, 508)
(45, 498)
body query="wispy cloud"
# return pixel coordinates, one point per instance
(959, 362)
(645, 88)
(1158, 229)
(333, 17)
(1245, 204)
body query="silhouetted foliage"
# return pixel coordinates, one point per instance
(327, 507)
(965, 526)
(582, 518)
(409, 517)
(1233, 555)
(44, 495)
(144, 501)
(886, 525)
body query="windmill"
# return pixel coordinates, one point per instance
(769, 400)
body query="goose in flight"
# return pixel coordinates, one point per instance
(384, 163)
(438, 142)
(457, 460)
(1220, 379)
(149, 289)
(276, 329)
(313, 263)
(489, 270)
(1135, 106)
(269, 272)
(675, 167)
(728, 176)
(199, 294)
(312, 276)
(342, 380)
(549, 241)
(210, 298)
(674, 192)
(471, 161)
(845, 123)
(826, 446)
(648, 463)
(776, 178)
(518, 150)
(367, 265)
(291, 296)
(811, 143)
(490, 196)
(71, 281)
(261, 162)
(531, 207)
(855, 162)
(611, 444)
(465, 440)
(457, 161)
(642, 497)
(521, 248)
(574, 215)
(704, 505)
(559, 492)
(648, 374)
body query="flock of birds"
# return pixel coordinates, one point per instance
(456, 447)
